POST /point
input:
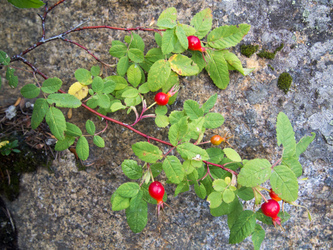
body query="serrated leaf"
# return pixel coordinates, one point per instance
(245, 193)
(120, 81)
(51, 85)
(232, 154)
(215, 155)
(258, 236)
(284, 183)
(217, 69)
(97, 84)
(103, 101)
(27, 3)
(202, 22)
(65, 143)
(64, 100)
(56, 121)
(134, 75)
(131, 169)
(4, 58)
(30, 91)
(173, 169)
(151, 57)
(83, 76)
(136, 55)
(82, 148)
(99, 141)
(90, 127)
(158, 74)
(228, 196)
(200, 190)
(168, 18)
(214, 199)
(181, 188)
(219, 185)
(242, 227)
(40, 109)
(192, 109)
(118, 50)
(161, 121)
(78, 90)
(192, 152)
(175, 116)
(209, 104)
(95, 70)
(72, 130)
(234, 214)
(285, 135)
(128, 189)
(177, 131)
(235, 63)
(254, 172)
(213, 120)
(109, 87)
(181, 35)
(302, 145)
(225, 208)
(147, 152)
(117, 106)
(133, 101)
(169, 40)
(199, 59)
(161, 110)
(122, 65)
(293, 164)
(119, 202)
(130, 93)
(137, 217)
(12, 79)
(227, 36)
(136, 42)
(183, 65)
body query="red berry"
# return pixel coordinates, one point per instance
(270, 208)
(162, 99)
(156, 190)
(195, 44)
(216, 140)
(274, 196)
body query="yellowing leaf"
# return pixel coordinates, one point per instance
(78, 90)
(3, 143)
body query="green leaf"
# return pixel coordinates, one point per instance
(215, 155)
(95, 70)
(228, 196)
(226, 208)
(156, 169)
(121, 82)
(56, 121)
(40, 109)
(131, 169)
(254, 172)
(103, 101)
(118, 50)
(285, 135)
(177, 131)
(182, 187)
(192, 152)
(147, 152)
(135, 41)
(151, 57)
(183, 65)
(202, 22)
(122, 65)
(175, 116)
(302, 145)
(173, 169)
(258, 236)
(30, 91)
(133, 101)
(214, 199)
(130, 93)
(213, 120)
(243, 227)
(227, 36)
(181, 35)
(97, 84)
(200, 190)
(4, 58)
(136, 55)
(236, 64)
(13, 80)
(99, 141)
(209, 104)
(72, 130)
(119, 202)
(51, 85)
(284, 216)
(64, 144)
(134, 75)
(82, 148)
(245, 193)
(26, 3)
(83, 76)
(158, 74)
(217, 69)
(64, 100)
(90, 127)
(195, 129)
(143, 89)
(161, 110)
(161, 121)
(284, 183)
(169, 40)
(198, 58)
(128, 189)
(192, 109)
(115, 106)
(189, 30)
(137, 217)
(168, 18)
(232, 155)
(293, 164)
(219, 185)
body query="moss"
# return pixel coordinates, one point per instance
(271, 67)
(270, 55)
(284, 82)
(248, 50)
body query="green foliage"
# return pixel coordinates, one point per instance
(248, 50)
(26, 3)
(7, 147)
(284, 81)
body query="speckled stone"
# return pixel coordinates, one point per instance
(70, 209)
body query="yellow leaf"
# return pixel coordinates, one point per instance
(3, 143)
(78, 90)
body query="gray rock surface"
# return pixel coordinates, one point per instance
(70, 209)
